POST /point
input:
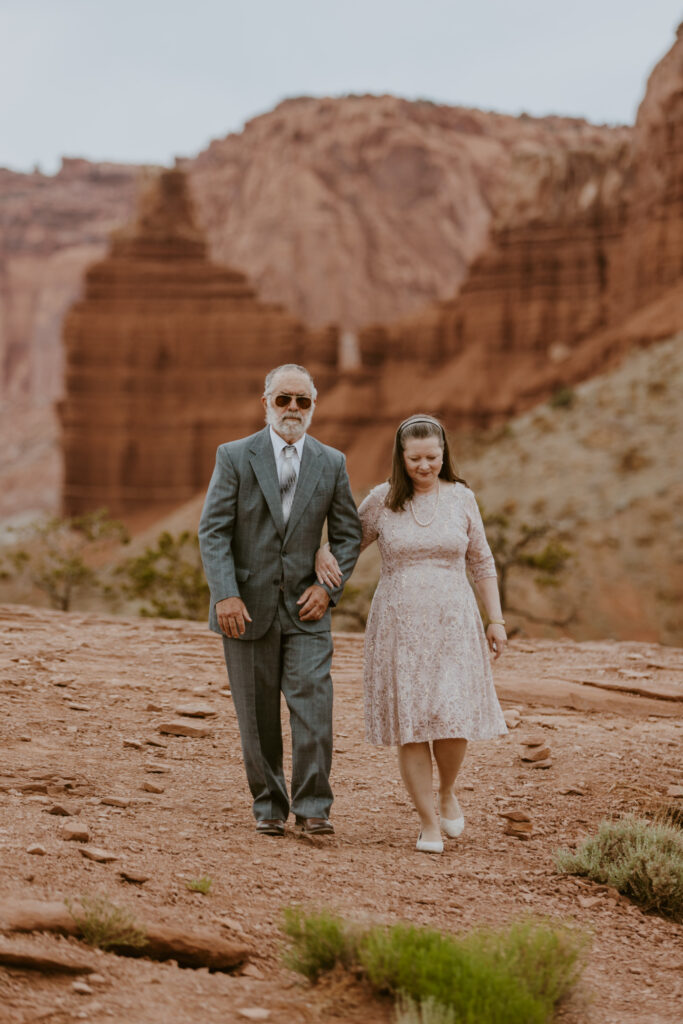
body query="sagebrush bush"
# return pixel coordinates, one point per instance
(642, 859)
(513, 976)
(102, 923)
(319, 942)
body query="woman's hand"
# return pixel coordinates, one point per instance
(327, 568)
(497, 638)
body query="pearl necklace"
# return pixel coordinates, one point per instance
(436, 505)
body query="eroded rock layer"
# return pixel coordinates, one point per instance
(165, 357)
(599, 237)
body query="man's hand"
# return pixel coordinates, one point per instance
(314, 602)
(231, 613)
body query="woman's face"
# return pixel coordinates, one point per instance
(423, 458)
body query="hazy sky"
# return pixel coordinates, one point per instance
(145, 80)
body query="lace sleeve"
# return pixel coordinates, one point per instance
(480, 562)
(369, 512)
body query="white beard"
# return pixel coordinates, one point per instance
(289, 426)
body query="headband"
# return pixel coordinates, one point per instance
(420, 419)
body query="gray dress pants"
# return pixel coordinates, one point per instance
(298, 664)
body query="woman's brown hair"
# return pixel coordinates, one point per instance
(400, 485)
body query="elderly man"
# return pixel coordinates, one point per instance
(261, 526)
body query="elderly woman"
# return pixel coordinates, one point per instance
(427, 675)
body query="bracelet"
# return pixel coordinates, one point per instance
(496, 622)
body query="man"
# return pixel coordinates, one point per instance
(261, 526)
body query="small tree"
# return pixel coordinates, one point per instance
(169, 578)
(59, 556)
(516, 546)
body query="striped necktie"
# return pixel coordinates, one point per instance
(287, 479)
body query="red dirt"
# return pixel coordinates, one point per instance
(619, 750)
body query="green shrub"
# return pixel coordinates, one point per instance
(101, 923)
(319, 942)
(513, 976)
(168, 579)
(202, 884)
(642, 859)
(563, 398)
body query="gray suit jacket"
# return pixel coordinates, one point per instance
(248, 551)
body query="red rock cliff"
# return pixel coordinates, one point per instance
(165, 357)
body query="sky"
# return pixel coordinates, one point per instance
(144, 81)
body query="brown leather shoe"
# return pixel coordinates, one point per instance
(316, 826)
(270, 827)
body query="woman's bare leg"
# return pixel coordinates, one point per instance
(449, 755)
(415, 762)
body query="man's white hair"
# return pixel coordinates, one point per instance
(270, 377)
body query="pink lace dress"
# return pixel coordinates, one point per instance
(427, 664)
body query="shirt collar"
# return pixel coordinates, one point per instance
(279, 443)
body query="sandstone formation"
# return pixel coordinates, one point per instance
(578, 268)
(165, 357)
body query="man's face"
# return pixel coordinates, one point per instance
(287, 419)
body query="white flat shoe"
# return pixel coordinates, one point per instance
(453, 827)
(424, 846)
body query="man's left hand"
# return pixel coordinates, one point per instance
(314, 602)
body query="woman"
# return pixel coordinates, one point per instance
(427, 675)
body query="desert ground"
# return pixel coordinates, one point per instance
(85, 698)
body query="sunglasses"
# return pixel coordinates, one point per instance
(302, 401)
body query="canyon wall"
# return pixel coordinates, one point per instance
(165, 358)
(577, 270)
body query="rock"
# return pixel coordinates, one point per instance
(514, 815)
(154, 741)
(467, 786)
(189, 947)
(25, 738)
(512, 719)
(134, 744)
(157, 280)
(675, 791)
(572, 791)
(536, 739)
(536, 754)
(63, 809)
(82, 988)
(225, 693)
(254, 1013)
(157, 769)
(252, 971)
(589, 901)
(73, 832)
(545, 763)
(153, 706)
(231, 924)
(36, 850)
(97, 854)
(518, 833)
(96, 979)
(73, 706)
(184, 727)
(196, 711)
(136, 875)
(152, 787)
(31, 954)
(115, 801)
(33, 787)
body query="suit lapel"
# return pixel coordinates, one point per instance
(262, 459)
(309, 474)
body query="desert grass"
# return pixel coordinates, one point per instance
(103, 924)
(515, 975)
(641, 859)
(202, 884)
